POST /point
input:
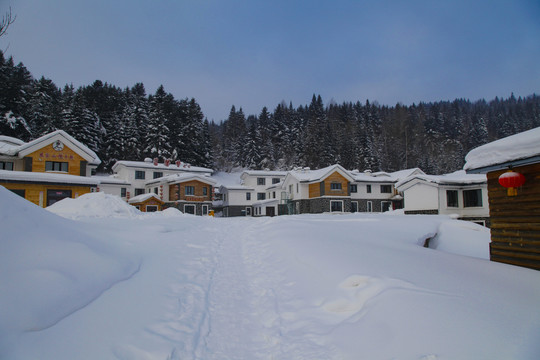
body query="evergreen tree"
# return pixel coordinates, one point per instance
(157, 135)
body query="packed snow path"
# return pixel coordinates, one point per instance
(297, 287)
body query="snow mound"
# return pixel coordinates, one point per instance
(94, 205)
(462, 238)
(50, 267)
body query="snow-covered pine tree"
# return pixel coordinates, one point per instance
(157, 134)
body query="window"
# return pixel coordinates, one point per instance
(57, 195)
(472, 198)
(156, 190)
(369, 206)
(248, 196)
(151, 208)
(56, 166)
(452, 198)
(297, 188)
(123, 192)
(205, 209)
(6, 165)
(158, 174)
(19, 192)
(261, 196)
(276, 180)
(354, 206)
(189, 209)
(335, 186)
(290, 189)
(368, 189)
(190, 190)
(386, 189)
(336, 206)
(354, 188)
(205, 191)
(248, 211)
(386, 205)
(139, 192)
(261, 181)
(273, 194)
(139, 175)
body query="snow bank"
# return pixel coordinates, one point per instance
(462, 238)
(94, 205)
(49, 268)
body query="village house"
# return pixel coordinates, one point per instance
(318, 191)
(47, 169)
(138, 173)
(512, 165)
(147, 202)
(191, 193)
(460, 194)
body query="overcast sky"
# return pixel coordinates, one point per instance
(258, 53)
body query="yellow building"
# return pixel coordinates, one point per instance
(47, 169)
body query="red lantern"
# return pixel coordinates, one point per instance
(512, 180)
(178, 162)
(167, 162)
(156, 160)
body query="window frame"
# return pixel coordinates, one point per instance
(140, 174)
(139, 191)
(157, 174)
(369, 206)
(57, 166)
(368, 188)
(248, 196)
(389, 206)
(123, 192)
(276, 181)
(354, 188)
(385, 187)
(261, 196)
(5, 164)
(261, 181)
(189, 190)
(467, 199)
(190, 206)
(336, 186)
(455, 198)
(341, 206)
(151, 208)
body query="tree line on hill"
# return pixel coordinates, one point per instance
(128, 124)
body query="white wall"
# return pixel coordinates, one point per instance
(375, 191)
(421, 196)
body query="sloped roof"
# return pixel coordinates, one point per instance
(144, 197)
(161, 166)
(15, 147)
(458, 178)
(515, 150)
(182, 177)
(308, 175)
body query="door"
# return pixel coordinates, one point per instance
(57, 195)
(270, 211)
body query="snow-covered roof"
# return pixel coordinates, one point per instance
(236, 188)
(227, 179)
(110, 179)
(308, 175)
(458, 178)
(9, 145)
(39, 177)
(14, 147)
(143, 197)
(161, 166)
(265, 173)
(515, 150)
(182, 177)
(382, 176)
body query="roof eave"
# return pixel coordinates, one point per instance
(505, 165)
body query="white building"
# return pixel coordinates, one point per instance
(460, 194)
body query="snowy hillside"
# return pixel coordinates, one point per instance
(115, 285)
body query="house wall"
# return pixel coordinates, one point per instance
(238, 198)
(464, 212)
(178, 191)
(375, 193)
(515, 220)
(47, 153)
(421, 197)
(335, 177)
(181, 206)
(37, 193)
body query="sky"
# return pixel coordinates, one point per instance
(256, 53)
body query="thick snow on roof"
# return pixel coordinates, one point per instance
(459, 177)
(161, 166)
(143, 197)
(265, 173)
(109, 179)
(519, 146)
(183, 176)
(46, 177)
(228, 179)
(9, 145)
(308, 175)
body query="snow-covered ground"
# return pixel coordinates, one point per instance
(117, 284)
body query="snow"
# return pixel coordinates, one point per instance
(519, 146)
(28, 176)
(94, 205)
(459, 177)
(143, 197)
(351, 286)
(162, 166)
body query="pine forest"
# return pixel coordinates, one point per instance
(128, 124)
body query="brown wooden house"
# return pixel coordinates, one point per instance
(147, 202)
(515, 213)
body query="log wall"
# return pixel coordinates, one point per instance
(515, 220)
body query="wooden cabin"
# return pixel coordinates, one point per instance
(147, 202)
(514, 214)
(47, 169)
